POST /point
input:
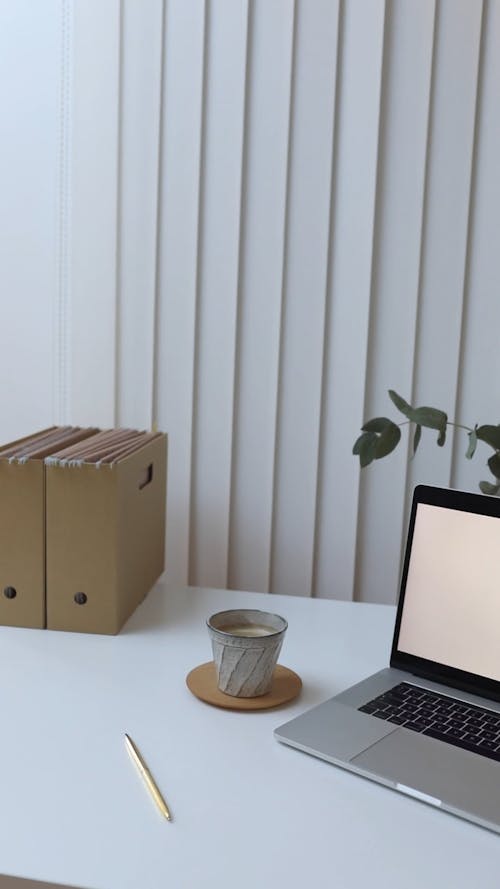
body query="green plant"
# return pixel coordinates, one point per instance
(380, 436)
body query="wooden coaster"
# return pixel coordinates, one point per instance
(202, 682)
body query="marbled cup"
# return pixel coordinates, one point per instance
(245, 663)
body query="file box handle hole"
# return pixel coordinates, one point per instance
(10, 592)
(146, 477)
(80, 598)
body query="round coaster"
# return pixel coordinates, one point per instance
(202, 682)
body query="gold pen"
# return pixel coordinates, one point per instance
(147, 777)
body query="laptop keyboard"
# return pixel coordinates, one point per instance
(438, 716)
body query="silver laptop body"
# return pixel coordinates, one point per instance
(443, 682)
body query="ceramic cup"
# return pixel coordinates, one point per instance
(245, 644)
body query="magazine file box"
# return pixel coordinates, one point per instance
(22, 535)
(22, 544)
(105, 538)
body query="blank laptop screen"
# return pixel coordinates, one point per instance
(451, 610)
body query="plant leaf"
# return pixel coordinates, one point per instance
(378, 424)
(494, 464)
(401, 404)
(430, 417)
(488, 488)
(387, 440)
(367, 452)
(365, 447)
(442, 437)
(357, 444)
(472, 444)
(416, 438)
(489, 434)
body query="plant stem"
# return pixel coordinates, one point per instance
(449, 423)
(459, 426)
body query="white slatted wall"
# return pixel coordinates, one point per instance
(32, 212)
(272, 211)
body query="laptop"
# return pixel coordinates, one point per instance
(429, 724)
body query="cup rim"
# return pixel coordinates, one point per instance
(247, 611)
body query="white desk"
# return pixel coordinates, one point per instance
(74, 810)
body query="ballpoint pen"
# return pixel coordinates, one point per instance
(147, 777)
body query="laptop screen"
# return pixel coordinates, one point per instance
(449, 609)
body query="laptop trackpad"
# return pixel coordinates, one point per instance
(462, 780)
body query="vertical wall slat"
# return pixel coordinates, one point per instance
(355, 180)
(263, 233)
(31, 66)
(61, 389)
(95, 158)
(218, 290)
(458, 35)
(182, 121)
(305, 277)
(480, 371)
(139, 143)
(398, 224)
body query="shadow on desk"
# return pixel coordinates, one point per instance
(19, 883)
(157, 610)
(166, 606)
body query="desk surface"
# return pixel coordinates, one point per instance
(73, 809)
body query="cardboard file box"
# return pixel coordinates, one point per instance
(22, 539)
(105, 538)
(22, 553)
